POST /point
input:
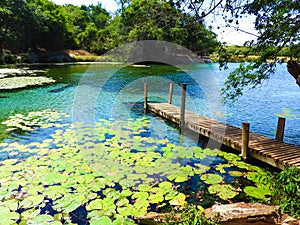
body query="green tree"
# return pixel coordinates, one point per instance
(277, 23)
(160, 20)
(58, 32)
(19, 24)
(123, 4)
(95, 26)
(78, 20)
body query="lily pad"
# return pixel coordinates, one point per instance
(259, 192)
(211, 178)
(235, 173)
(224, 191)
(31, 201)
(179, 200)
(41, 219)
(7, 216)
(101, 221)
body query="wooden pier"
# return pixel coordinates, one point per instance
(271, 151)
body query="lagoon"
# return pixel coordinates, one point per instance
(85, 145)
(117, 92)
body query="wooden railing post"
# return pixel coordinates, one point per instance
(170, 93)
(145, 98)
(245, 140)
(280, 129)
(182, 111)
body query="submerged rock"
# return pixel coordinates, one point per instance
(60, 89)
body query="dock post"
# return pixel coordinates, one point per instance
(245, 140)
(170, 93)
(182, 111)
(280, 129)
(145, 98)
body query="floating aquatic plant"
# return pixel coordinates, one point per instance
(12, 83)
(211, 178)
(224, 191)
(44, 119)
(109, 169)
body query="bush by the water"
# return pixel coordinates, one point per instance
(286, 191)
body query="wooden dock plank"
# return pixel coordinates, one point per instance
(265, 149)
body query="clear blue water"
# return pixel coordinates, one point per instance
(92, 92)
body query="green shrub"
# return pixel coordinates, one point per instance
(190, 215)
(286, 191)
(11, 59)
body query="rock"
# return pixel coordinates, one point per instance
(51, 57)
(231, 214)
(245, 213)
(287, 220)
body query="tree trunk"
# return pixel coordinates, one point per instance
(1, 54)
(294, 69)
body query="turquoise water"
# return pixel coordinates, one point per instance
(109, 91)
(113, 95)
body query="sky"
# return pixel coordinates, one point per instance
(225, 34)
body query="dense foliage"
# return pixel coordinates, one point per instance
(42, 25)
(287, 191)
(278, 26)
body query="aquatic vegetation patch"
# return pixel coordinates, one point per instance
(109, 173)
(44, 119)
(289, 114)
(13, 83)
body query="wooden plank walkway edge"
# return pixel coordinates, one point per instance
(270, 151)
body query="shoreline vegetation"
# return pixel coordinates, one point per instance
(236, 54)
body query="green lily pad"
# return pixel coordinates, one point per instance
(155, 198)
(8, 216)
(178, 200)
(230, 156)
(200, 168)
(126, 193)
(12, 204)
(72, 206)
(257, 192)
(224, 191)
(123, 221)
(140, 195)
(165, 185)
(235, 173)
(96, 204)
(104, 220)
(144, 187)
(41, 219)
(31, 201)
(211, 178)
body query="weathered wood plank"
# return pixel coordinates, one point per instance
(270, 151)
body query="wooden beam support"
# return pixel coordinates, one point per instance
(280, 129)
(182, 109)
(170, 93)
(145, 98)
(245, 140)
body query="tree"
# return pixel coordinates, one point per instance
(277, 23)
(57, 34)
(160, 20)
(123, 4)
(20, 23)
